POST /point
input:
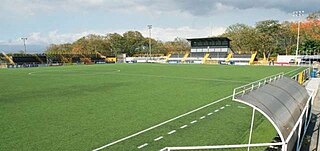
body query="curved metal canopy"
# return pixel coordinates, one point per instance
(282, 100)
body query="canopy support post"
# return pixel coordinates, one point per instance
(251, 127)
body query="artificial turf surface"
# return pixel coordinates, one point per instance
(85, 107)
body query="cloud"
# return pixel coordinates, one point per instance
(158, 33)
(207, 7)
(168, 34)
(193, 7)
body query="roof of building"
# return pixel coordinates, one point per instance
(210, 38)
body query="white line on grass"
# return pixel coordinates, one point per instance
(292, 70)
(158, 138)
(221, 108)
(143, 145)
(171, 132)
(241, 107)
(210, 113)
(228, 105)
(184, 126)
(195, 121)
(202, 117)
(216, 110)
(160, 124)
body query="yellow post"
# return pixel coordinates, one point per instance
(8, 58)
(229, 57)
(205, 58)
(301, 78)
(38, 58)
(253, 56)
(168, 56)
(185, 57)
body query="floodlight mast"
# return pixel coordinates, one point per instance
(24, 43)
(298, 14)
(150, 28)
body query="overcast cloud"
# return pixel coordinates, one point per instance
(58, 21)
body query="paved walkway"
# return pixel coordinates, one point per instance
(312, 137)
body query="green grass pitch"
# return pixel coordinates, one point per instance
(86, 107)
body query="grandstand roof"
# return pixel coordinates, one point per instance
(282, 101)
(210, 38)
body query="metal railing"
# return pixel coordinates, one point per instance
(260, 146)
(306, 75)
(255, 85)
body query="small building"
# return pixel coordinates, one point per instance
(216, 46)
(206, 49)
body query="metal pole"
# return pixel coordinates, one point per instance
(298, 39)
(24, 43)
(299, 135)
(298, 14)
(251, 128)
(150, 27)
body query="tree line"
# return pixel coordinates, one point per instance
(268, 37)
(113, 44)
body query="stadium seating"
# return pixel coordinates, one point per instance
(29, 59)
(218, 55)
(177, 56)
(241, 56)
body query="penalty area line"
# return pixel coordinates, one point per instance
(171, 132)
(160, 124)
(143, 145)
(159, 138)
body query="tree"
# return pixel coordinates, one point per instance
(314, 15)
(179, 45)
(287, 39)
(310, 47)
(243, 38)
(268, 36)
(116, 42)
(134, 42)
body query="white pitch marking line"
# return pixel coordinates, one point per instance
(202, 117)
(184, 126)
(228, 105)
(210, 113)
(156, 139)
(143, 145)
(195, 121)
(221, 108)
(241, 107)
(216, 110)
(160, 124)
(171, 132)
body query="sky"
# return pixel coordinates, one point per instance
(46, 22)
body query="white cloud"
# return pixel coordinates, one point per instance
(194, 7)
(158, 33)
(168, 34)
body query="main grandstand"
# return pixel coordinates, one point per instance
(213, 50)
